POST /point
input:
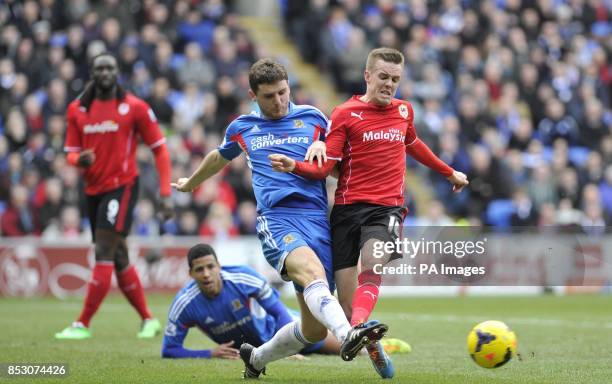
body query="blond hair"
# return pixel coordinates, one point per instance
(390, 55)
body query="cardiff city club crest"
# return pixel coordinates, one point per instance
(298, 124)
(236, 304)
(123, 109)
(403, 110)
(288, 239)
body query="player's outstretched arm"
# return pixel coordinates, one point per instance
(223, 351)
(282, 163)
(83, 159)
(164, 170)
(212, 163)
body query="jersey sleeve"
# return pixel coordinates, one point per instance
(270, 301)
(176, 329)
(72, 143)
(257, 287)
(174, 336)
(146, 123)
(233, 142)
(411, 135)
(336, 134)
(320, 124)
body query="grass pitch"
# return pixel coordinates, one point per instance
(561, 340)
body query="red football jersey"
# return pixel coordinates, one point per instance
(111, 129)
(370, 141)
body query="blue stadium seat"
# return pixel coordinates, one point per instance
(499, 212)
(578, 155)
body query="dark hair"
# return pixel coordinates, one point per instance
(89, 93)
(390, 55)
(200, 250)
(266, 71)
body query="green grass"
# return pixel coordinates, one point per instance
(561, 340)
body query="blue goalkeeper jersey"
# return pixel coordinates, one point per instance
(291, 135)
(237, 314)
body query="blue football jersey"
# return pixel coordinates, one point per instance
(259, 137)
(236, 314)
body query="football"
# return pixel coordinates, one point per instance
(491, 344)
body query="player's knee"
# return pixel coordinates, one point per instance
(304, 270)
(121, 258)
(121, 264)
(310, 272)
(104, 251)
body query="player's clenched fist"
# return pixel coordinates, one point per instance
(281, 163)
(458, 180)
(182, 185)
(86, 158)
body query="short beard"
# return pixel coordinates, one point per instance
(106, 90)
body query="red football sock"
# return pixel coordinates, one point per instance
(129, 282)
(365, 296)
(96, 290)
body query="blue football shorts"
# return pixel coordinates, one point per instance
(284, 229)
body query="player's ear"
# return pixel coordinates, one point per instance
(366, 75)
(252, 95)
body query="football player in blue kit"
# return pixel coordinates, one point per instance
(231, 305)
(292, 221)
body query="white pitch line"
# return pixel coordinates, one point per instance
(428, 317)
(421, 317)
(110, 307)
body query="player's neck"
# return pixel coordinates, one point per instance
(216, 292)
(371, 100)
(106, 94)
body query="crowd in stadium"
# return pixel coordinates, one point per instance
(516, 94)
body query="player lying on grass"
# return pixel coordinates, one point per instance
(232, 305)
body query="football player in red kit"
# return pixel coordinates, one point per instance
(103, 126)
(368, 137)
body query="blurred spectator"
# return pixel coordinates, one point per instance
(145, 222)
(436, 216)
(605, 190)
(534, 71)
(196, 69)
(218, 223)
(159, 101)
(188, 224)
(524, 213)
(16, 130)
(50, 211)
(247, 218)
(592, 221)
(67, 227)
(541, 187)
(19, 218)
